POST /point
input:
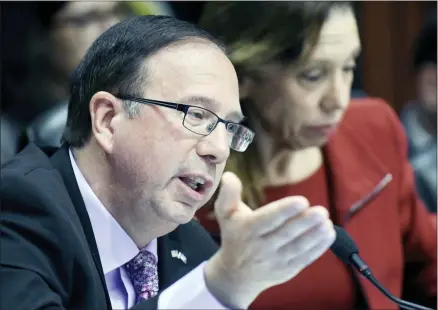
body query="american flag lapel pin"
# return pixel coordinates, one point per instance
(178, 255)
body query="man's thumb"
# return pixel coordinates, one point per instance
(229, 196)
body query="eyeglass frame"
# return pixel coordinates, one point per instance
(183, 108)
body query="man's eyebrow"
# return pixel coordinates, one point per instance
(210, 104)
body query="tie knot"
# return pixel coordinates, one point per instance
(143, 272)
(142, 260)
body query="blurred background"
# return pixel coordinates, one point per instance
(42, 42)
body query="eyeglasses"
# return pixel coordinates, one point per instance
(202, 122)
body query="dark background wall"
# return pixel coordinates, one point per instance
(388, 30)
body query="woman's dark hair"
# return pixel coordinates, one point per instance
(256, 32)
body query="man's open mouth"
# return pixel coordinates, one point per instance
(195, 183)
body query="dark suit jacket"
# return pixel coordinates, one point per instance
(48, 253)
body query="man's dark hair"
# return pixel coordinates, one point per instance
(115, 63)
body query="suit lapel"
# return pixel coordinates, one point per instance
(357, 177)
(357, 174)
(61, 161)
(174, 259)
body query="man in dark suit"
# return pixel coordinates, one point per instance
(107, 222)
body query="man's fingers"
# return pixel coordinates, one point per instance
(229, 197)
(294, 247)
(275, 214)
(310, 256)
(299, 227)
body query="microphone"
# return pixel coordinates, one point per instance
(346, 250)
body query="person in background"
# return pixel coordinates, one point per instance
(55, 38)
(420, 116)
(74, 26)
(295, 62)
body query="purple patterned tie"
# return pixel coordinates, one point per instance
(143, 272)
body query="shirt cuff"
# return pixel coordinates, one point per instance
(190, 292)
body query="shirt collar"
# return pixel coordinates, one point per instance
(115, 246)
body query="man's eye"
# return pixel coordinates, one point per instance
(196, 114)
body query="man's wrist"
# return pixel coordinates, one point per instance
(223, 287)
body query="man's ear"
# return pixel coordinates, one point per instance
(106, 111)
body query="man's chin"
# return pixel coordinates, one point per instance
(183, 213)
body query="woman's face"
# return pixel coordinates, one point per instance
(302, 105)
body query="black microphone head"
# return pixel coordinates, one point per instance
(343, 247)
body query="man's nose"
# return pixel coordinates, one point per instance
(216, 146)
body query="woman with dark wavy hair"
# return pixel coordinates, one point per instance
(295, 62)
